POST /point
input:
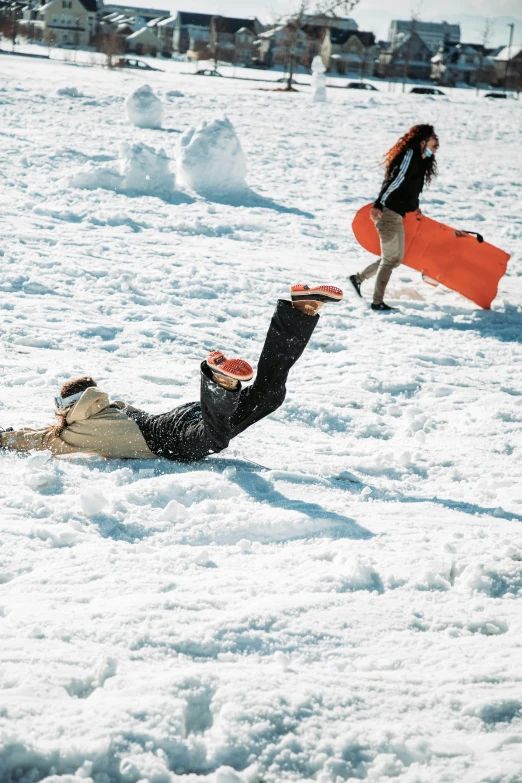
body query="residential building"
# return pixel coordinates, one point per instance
(144, 15)
(323, 21)
(353, 52)
(508, 67)
(144, 41)
(461, 64)
(164, 30)
(432, 33)
(187, 25)
(234, 48)
(280, 44)
(409, 55)
(244, 41)
(69, 22)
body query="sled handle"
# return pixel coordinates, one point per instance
(480, 238)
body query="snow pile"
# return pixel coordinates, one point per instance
(141, 169)
(144, 169)
(210, 158)
(318, 80)
(70, 92)
(143, 108)
(93, 502)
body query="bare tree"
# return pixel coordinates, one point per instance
(293, 27)
(111, 45)
(292, 33)
(507, 74)
(50, 39)
(76, 35)
(486, 34)
(326, 49)
(362, 66)
(415, 14)
(213, 44)
(11, 25)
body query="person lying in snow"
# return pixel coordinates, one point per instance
(89, 423)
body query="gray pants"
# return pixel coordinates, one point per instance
(391, 232)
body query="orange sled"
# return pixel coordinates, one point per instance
(455, 259)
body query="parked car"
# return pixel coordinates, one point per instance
(495, 95)
(426, 91)
(360, 86)
(284, 79)
(254, 64)
(208, 72)
(127, 62)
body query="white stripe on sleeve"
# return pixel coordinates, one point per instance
(400, 176)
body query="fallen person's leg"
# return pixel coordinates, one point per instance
(196, 430)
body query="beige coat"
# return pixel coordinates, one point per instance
(94, 426)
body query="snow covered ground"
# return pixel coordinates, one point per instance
(354, 610)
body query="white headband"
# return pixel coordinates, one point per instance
(65, 402)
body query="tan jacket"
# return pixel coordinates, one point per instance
(94, 426)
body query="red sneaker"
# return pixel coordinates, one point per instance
(318, 293)
(231, 368)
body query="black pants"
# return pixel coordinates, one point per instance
(191, 432)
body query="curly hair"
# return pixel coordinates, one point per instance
(70, 387)
(412, 141)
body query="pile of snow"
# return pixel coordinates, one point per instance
(140, 169)
(144, 169)
(70, 92)
(143, 108)
(319, 80)
(210, 158)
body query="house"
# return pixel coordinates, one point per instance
(324, 21)
(244, 41)
(29, 11)
(433, 33)
(461, 64)
(164, 30)
(220, 43)
(280, 44)
(189, 24)
(408, 56)
(353, 52)
(508, 67)
(144, 41)
(142, 15)
(68, 21)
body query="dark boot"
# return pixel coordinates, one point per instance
(354, 280)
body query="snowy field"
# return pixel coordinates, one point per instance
(352, 610)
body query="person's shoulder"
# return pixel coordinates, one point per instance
(400, 157)
(92, 402)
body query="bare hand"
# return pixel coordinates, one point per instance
(375, 214)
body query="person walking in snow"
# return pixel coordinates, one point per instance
(410, 164)
(89, 423)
